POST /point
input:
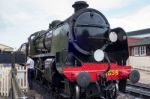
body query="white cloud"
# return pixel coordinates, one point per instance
(64, 8)
(108, 4)
(56, 8)
(134, 21)
(24, 17)
(24, 10)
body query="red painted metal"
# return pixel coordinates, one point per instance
(116, 72)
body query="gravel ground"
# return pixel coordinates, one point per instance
(127, 96)
(3, 97)
(39, 92)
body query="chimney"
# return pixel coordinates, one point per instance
(79, 5)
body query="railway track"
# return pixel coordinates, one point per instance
(133, 90)
(42, 91)
(139, 90)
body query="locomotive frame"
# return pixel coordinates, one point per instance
(82, 57)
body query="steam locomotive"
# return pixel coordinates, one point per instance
(82, 57)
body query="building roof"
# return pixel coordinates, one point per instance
(144, 41)
(133, 41)
(139, 32)
(5, 47)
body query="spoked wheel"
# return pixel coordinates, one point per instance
(37, 74)
(76, 92)
(113, 92)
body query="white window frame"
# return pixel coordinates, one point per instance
(135, 51)
(132, 51)
(142, 50)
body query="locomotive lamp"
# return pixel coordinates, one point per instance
(83, 79)
(113, 37)
(99, 55)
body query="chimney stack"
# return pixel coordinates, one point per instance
(79, 5)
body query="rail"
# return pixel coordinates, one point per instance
(17, 93)
(139, 90)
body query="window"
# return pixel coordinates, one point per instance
(139, 51)
(136, 51)
(132, 51)
(142, 50)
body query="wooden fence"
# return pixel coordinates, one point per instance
(5, 80)
(6, 75)
(22, 77)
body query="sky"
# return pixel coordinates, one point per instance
(20, 18)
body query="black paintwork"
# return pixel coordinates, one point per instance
(90, 29)
(79, 36)
(10, 58)
(74, 40)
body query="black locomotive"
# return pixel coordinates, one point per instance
(82, 57)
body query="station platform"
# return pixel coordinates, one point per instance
(144, 77)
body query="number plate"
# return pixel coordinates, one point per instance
(113, 73)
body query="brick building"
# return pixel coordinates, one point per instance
(139, 49)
